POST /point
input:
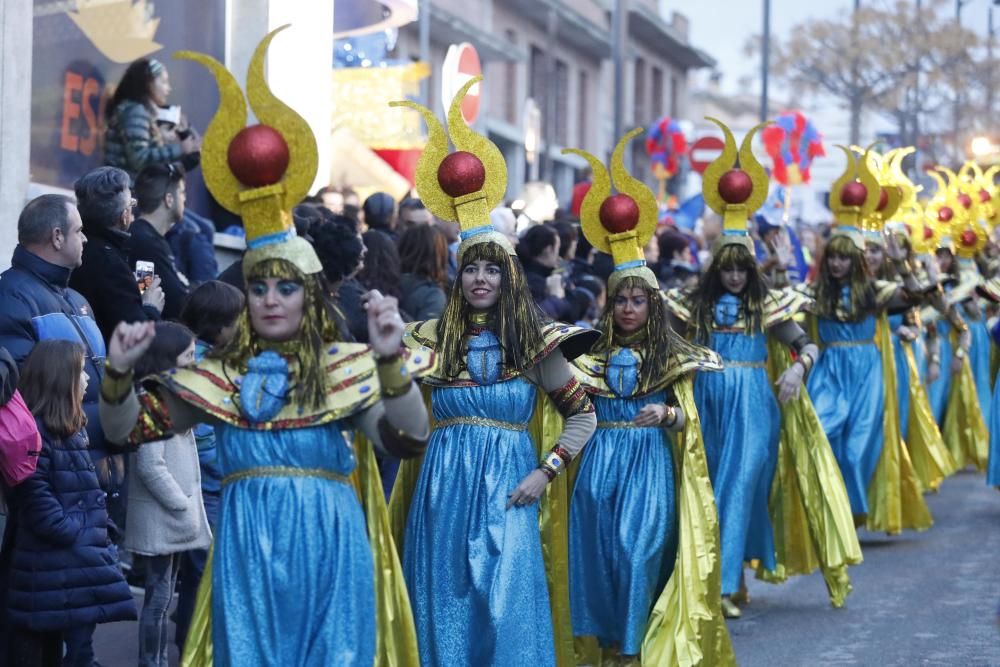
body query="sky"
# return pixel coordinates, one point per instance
(722, 27)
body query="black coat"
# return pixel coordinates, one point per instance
(107, 281)
(64, 573)
(148, 245)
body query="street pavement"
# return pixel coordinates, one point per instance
(919, 599)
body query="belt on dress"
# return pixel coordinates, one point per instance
(481, 421)
(285, 471)
(849, 343)
(624, 425)
(727, 363)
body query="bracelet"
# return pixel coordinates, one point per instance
(114, 373)
(554, 462)
(393, 375)
(960, 354)
(670, 419)
(934, 359)
(115, 385)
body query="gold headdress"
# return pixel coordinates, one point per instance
(968, 237)
(620, 224)
(853, 197)
(734, 192)
(262, 171)
(466, 185)
(890, 194)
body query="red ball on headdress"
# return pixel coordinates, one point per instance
(984, 196)
(461, 173)
(965, 200)
(883, 199)
(619, 213)
(735, 186)
(928, 233)
(258, 156)
(853, 194)
(945, 214)
(968, 238)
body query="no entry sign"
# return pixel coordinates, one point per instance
(704, 151)
(461, 64)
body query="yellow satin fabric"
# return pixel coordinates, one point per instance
(964, 430)
(809, 508)
(932, 462)
(895, 495)
(395, 635)
(686, 626)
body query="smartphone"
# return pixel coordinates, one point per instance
(144, 275)
(170, 115)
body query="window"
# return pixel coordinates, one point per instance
(674, 85)
(561, 129)
(657, 98)
(510, 84)
(641, 112)
(582, 102)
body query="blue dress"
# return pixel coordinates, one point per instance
(939, 390)
(293, 576)
(902, 374)
(848, 392)
(740, 422)
(979, 359)
(473, 568)
(623, 525)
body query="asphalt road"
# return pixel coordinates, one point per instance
(919, 599)
(926, 598)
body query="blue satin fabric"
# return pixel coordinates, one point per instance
(979, 358)
(740, 423)
(993, 467)
(902, 374)
(623, 526)
(473, 568)
(938, 391)
(293, 573)
(848, 392)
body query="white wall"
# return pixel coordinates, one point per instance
(15, 118)
(299, 62)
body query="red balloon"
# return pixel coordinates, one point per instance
(965, 200)
(461, 173)
(619, 213)
(883, 199)
(258, 156)
(969, 238)
(735, 186)
(853, 194)
(945, 214)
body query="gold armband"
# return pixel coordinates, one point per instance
(393, 375)
(115, 385)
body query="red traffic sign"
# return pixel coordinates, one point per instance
(461, 64)
(704, 151)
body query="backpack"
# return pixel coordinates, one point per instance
(20, 442)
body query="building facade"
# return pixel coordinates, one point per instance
(574, 91)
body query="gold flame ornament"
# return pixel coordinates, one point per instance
(968, 236)
(853, 197)
(621, 224)
(890, 195)
(735, 192)
(262, 171)
(465, 185)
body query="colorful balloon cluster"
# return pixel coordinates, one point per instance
(793, 142)
(665, 144)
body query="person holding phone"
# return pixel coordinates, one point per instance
(134, 138)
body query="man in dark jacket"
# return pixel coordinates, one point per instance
(105, 279)
(159, 189)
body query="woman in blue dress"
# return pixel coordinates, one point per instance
(473, 551)
(293, 579)
(733, 312)
(623, 514)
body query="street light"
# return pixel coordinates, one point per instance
(981, 146)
